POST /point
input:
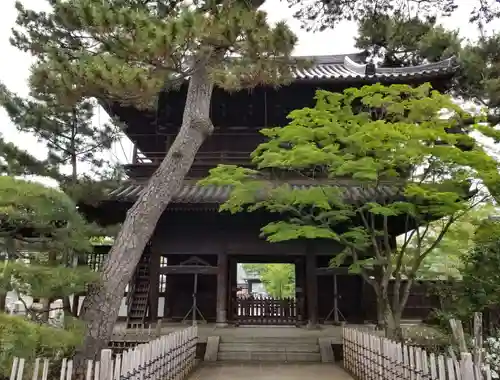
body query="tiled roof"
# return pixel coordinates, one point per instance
(190, 193)
(344, 67)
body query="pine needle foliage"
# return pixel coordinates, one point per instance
(128, 51)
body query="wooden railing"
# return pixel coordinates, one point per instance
(266, 311)
(371, 357)
(168, 357)
(155, 158)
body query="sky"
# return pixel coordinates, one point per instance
(15, 65)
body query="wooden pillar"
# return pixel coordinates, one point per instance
(154, 284)
(222, 289)
(299, 289)
(170, 295)
(311, 289)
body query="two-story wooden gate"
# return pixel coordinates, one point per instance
(250, 310)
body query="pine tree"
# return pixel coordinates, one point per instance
(69, 132)
(17, 162)
(127, 51)
(324, 14)
(71, 137)
(41, 233)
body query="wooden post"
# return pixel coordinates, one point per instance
(222, 286)
(134, 155)
(154, 287)
(106, 368)
(299, 289)
(169, 289)
(311, 289)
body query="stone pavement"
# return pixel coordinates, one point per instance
(271, 371)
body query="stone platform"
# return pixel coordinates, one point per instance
(269, 371)
(334, 333)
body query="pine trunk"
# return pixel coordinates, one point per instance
(100, 307)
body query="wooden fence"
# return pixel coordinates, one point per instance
(266, 311)
(168, 357)
(371, 357)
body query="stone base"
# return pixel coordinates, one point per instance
(311, 326)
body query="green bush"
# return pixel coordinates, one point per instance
(23, 338)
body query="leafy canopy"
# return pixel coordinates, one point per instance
(129, 52)
(42, 234)
(278, 279)
(28, 340)
(393, 143)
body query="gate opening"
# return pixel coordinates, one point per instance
(266, 294)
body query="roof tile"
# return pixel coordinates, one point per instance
(344, 67)
(191, 193)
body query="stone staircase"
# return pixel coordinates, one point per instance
(269, 349)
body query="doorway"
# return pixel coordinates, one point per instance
(265, 293)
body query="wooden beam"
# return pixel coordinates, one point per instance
(327, 271)
(188, 269)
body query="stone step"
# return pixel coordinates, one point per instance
(295, 357)
(268, 339)
(268, 347)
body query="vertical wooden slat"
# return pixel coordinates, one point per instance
(466, 366)
(417, 352)
(20, 369)
(89, 371)
(62, 375)
(45, 370)
(433, 365)
(69, 369)
(97, 370)
(13, 371)
(166, 357)
(425, 365)
(36, 369)
(441, 368)
(450, 369)
(106, 370)
(118, 367)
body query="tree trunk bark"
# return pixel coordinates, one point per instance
(380, 313)
(100, 307)
(3, 302)
(393, 329)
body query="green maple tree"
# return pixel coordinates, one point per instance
(127, 51)
(278, 279)
(449, 257)
(383, 139)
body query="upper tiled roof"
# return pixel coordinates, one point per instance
(191, 193)
(346, 67)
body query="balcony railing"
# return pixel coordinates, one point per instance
(201, 159)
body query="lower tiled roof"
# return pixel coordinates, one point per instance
(347, 67)
(191, 193)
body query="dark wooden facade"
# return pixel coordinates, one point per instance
(193, 239)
